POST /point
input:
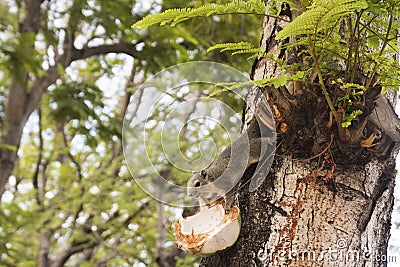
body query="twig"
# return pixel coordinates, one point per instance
(380, 53)
(321, 79)
(313, 157)
(321, 153)
(39, 159)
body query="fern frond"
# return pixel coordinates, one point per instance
(231, 46)
(230, 86)
(248, 51)
(323, 14)
(238, 48)
(175, 16)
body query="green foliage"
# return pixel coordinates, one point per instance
(238, 48)
(188, 261)
(368, 45)
(71, 186)
(192, 38)
(361, 35)
(352, 93)
(321, 15)
(348, 118)
(369, 40)
(280, 81)
(87, 196)
(272, 81)
(19, 56)
(75, 101)
(231, 86)
(177, 15)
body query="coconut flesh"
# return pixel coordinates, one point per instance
(208, 231)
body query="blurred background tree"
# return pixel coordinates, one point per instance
(68, 71)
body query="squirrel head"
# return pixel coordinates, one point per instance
(201, 186)
(197, 180)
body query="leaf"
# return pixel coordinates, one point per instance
(231, 46)
(255, 51)
(323, 14)
(281, 80)
(230, 87)
(347, 119)
(369, 142)
(297, 77)
(177, 15)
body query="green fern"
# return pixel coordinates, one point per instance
(231, 46)
(369, 45)
(175, 16)
(279, 81)
(323, 14)
(237, 48)
(255, 51)
(349, 118)
(272, 81)
(230, 86)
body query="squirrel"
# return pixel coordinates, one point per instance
(223, 175)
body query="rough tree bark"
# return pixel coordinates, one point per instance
(327, 201)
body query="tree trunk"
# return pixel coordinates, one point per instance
(326, 201)
(21, 100)
(44, 248)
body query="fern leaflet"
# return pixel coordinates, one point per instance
(237, 48)
(323, 14)
(175, 16)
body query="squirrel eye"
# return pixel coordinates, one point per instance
(197, 183)
(203, 173)
(378, 135)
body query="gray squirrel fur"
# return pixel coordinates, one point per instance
(223, 175)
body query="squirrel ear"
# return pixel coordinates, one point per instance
(203, 173)
(194, 172)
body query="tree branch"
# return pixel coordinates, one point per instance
(44, 248)
(128, 220)
(126, 48)
(39, 158)
(102, 242)
(71, 251)
(85, 256)
(31, 22)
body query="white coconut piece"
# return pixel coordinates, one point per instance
(208, 231)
